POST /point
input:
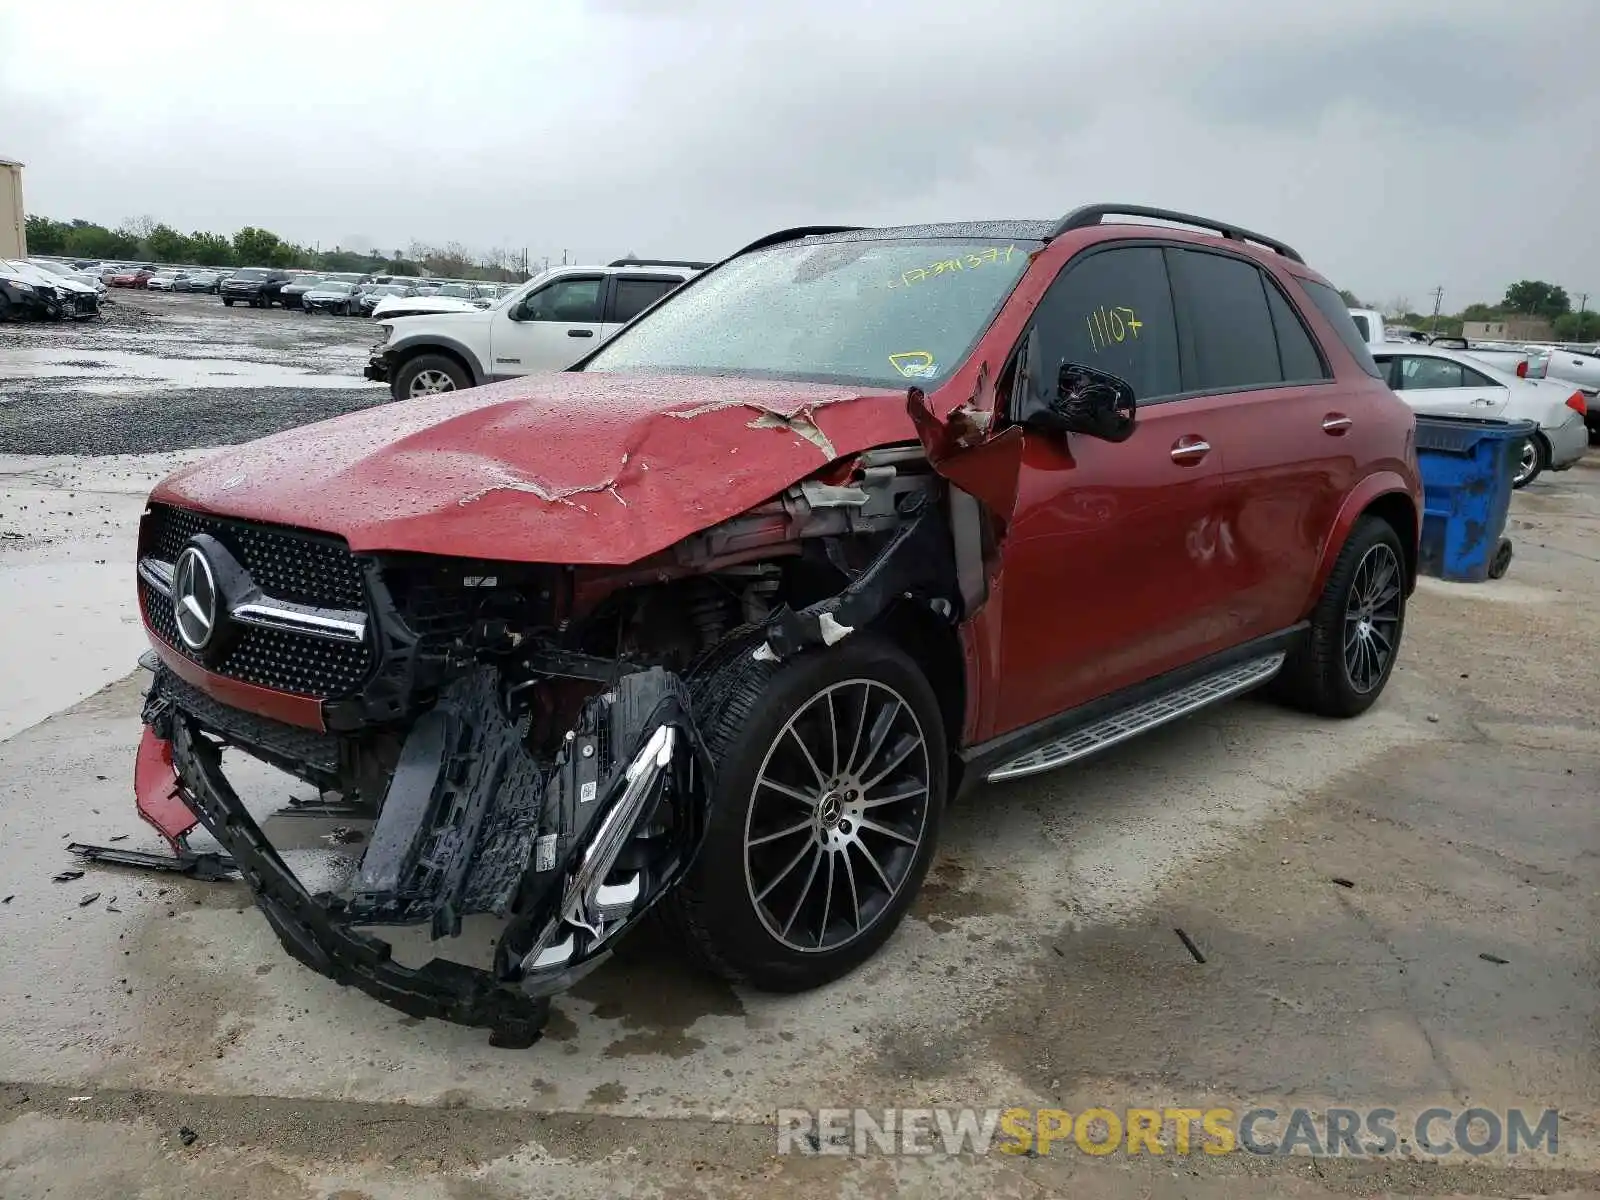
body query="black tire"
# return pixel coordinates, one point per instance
(743, 708)
(1541, 461)
(1318, 675)
(5, 307)
(227, 302)
(408, 371)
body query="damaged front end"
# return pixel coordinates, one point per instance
(521, 739)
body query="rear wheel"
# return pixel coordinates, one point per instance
(226, 302)
(427, 375)
(830, 783)
(1535, 458)
(1342, 665)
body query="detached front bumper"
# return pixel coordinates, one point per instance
(571, 853)
(377, 368)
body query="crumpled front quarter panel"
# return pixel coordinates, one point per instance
(587, 469)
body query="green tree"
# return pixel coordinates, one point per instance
(1345, 294)
(45, 236)
(261, 248)
(210, 249)
(87, 240)
(1577, 327)
(167, 245)
(1536, 298)
(400, 266)
(1482, 312)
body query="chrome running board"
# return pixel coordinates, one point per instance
(1122, 725)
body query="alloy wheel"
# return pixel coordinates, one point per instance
(1372, 618)
(837, 815)
(1528, 464)
(428, 383)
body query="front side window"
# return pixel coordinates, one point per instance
(1110, 310)
(573, 301)
(877, 312)
(1425, 374)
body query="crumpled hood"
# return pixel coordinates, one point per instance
(581, 468)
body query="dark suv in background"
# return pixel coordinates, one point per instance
(258, 286)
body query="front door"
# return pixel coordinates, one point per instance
(550, 328)
(1112, 562)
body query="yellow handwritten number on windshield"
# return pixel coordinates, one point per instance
(1110, 326)
(953, 266)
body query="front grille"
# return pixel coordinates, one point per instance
(286, 564)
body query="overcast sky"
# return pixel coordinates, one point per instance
(1398, 145)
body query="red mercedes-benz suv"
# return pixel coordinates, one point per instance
(716, 621)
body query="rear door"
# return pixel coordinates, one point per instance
(1279, 423)
(1443, 387)
(550, 328)
(630, 295)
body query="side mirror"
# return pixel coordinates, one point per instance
(1094, 403)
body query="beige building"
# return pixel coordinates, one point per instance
(1508, 329)
(13, 233)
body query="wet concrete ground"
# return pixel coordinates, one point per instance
(166, 372)
(1394, 911)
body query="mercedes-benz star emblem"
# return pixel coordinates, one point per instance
(194, 599)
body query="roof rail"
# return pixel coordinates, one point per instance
(657, 262)
(1094, 214)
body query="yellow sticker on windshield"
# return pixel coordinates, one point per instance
(914, 364)
(952, 266)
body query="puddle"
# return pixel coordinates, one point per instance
(123, 372)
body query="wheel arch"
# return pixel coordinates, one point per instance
(935, 646)
(1384, 495)
(408, 348)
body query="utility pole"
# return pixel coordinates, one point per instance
(1583, 311)
(1438, 298)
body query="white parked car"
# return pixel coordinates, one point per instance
(1453, 383)
(547, 324)
(87, 278)
(163, 281)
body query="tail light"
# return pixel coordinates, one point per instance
(1522, 369)
(1578, 404)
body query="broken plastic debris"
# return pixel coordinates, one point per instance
(67, 876)
(88, 900)
(763, 653)
(78, 1099)
(831, 630)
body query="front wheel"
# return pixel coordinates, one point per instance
(830, 783)
(1534, 459)
(227, 303)
(426, 375)
(1342, 665)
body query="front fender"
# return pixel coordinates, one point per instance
(1361, 497)
(421, 341)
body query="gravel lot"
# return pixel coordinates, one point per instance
(1395, 911)
(165, 372)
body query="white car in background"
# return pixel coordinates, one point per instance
(1454, 383)
(87, 278)
(163, 281)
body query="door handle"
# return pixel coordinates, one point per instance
(1188, 450)
(1483, 402)
(1336, 423)
(580, 333)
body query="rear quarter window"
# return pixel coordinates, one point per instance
(1332, 306)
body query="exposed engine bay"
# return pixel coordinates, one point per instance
(527, 743)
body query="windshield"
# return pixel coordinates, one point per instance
(53, 268)
(873, 312)
(389, 289)
(453, 289)
(334, 285)
(250, 273)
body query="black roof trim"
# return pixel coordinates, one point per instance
(657, 262)
(1094, 214)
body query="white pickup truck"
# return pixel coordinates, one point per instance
(1583, 372)
(545, 325)
(1523, 363)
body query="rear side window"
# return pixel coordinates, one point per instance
(1332, 306)
(1361, 324)
(633, 296)
(1112, 311)
(1224, 304)
(1296, 351)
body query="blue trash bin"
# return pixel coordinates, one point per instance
(1467, 465)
